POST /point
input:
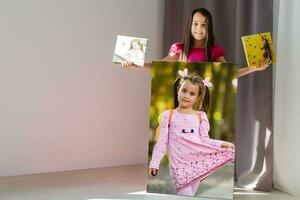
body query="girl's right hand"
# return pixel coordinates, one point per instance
(128, 64)
(153, 172)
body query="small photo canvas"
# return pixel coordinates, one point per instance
(258, 49)
(130, 49)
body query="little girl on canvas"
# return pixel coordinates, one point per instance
(136, 53)
(192, 154)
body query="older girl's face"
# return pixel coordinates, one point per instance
(199, 27)
(188, 94)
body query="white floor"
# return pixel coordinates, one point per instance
(126, 182)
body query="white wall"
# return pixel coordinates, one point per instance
(64, 105)
(287, 95)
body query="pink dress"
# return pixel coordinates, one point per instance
(192, 154)
(197, 54)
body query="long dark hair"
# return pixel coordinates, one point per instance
(196, 80)
(188, 41)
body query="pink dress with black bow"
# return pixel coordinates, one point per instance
(192, 154)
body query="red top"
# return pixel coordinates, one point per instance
(197, 54)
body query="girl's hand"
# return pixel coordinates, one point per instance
(153, 172)
(262, 66)
(228, 145)
(128, 64)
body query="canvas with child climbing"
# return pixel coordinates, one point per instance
(192, 115)
(258, 48)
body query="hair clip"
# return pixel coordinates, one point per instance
(183, 73)
(206, 82)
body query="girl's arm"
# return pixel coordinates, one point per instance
(162, 143)
(203, 131)
(167, 58)
(130, 64)
(246, 70)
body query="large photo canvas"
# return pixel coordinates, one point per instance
(192, 154)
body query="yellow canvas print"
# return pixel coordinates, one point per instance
(258, 49)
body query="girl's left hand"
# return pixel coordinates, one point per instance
(262, 66)
(228, 145)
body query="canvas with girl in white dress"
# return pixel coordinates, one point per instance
(130, 49)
